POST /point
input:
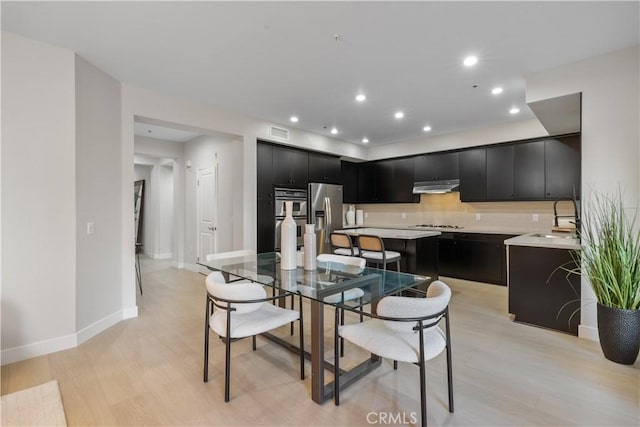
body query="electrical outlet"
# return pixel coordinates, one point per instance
(404, 215)
(366, 214)
(90, 228)
(478, 217)
(535, 218)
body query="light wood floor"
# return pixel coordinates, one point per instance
(148, 371)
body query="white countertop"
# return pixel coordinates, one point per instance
(559, 241)
(391, 233)
(481, 230)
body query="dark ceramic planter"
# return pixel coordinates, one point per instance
(619, 332)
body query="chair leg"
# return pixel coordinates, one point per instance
(292, 305)
(361, 309)
(301, 342)
(336, 358)
(398, 266)
(423, 374)
(449, 367)
(206, 342)
(395, 365)
(341, 339)
(253, 342)
(227, 367)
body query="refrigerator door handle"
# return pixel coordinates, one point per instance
(327, 222)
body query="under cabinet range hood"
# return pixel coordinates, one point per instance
(436, 187)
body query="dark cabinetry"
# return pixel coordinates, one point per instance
(473, 256)
(516, 172)
(265, 171)
(349, 181)
(266, 233)
(386, 181)
(562, 167)
(434, 167)
(473, 175)
(323, 168)
(290, 167)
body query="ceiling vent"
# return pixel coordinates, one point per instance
(279, 133)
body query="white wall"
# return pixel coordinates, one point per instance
(211, 151)
(98, 292)
(38, 301)
(610, 132)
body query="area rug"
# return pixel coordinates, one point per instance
(36, 406)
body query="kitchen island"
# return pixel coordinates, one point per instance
(418, 248)
(541, 290)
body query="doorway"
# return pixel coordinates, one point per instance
(207, 207)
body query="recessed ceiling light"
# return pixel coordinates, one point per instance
(496, 90)
(294, 119)
(399, 115)
(365, 140)
(470, 61)
(334, 131)
(514, 110)
(360, 97)
(426, 128)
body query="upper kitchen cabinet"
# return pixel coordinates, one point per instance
(516, 172)
(562, 167)
(473, 175)
(435, 167)
(324, 168)
(290, 167)
(386, 181)
(349, 181)
(265, 170)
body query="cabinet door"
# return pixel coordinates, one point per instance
(433, 167)
(366, 182)
(402, 185)
(528, 170)
(265, 170)
(384, 171)
(473, 175)
(323, 168)
(500, 173)
(349, 181)
(266, 226)
(489, 256)
(290, 167)
(562, 167)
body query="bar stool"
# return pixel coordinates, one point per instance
(341, 244)
(372, 249)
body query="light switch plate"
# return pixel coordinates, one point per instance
(404, 215)
(90, 228)
(478, 217)
(535, 218)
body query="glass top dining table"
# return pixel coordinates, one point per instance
(328, 279)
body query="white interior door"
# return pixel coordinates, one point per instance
(207, 215)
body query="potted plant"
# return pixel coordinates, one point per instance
(610, 262)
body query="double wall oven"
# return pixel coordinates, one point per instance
(299, 212)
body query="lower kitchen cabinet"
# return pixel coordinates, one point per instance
(473, 256)
(266, 236)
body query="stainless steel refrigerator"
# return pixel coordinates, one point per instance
(325, 211)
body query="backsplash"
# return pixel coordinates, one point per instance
(441, 209)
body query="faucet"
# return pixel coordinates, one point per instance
(576, 215)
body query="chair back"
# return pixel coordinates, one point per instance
(342, 241)
(367, 242)
(230, 254)
(242, 290)
(342, 259)
(438, 297)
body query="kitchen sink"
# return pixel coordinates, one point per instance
(554, 236)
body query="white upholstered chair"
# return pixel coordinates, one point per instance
(404, 329)
(342, 245)
(372, 249)
(261, 278)
(239, 310)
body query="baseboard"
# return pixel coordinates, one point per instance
(588, 332)
(96, 327)
(163, 256)
(129, 312)
(39, 348)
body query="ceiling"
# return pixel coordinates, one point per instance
(162, 132)
(272, 60)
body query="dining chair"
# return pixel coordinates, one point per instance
(239, 310)
(404, 329)
(342, 245)
(261, 278)
(372, 249)
(348, 295)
